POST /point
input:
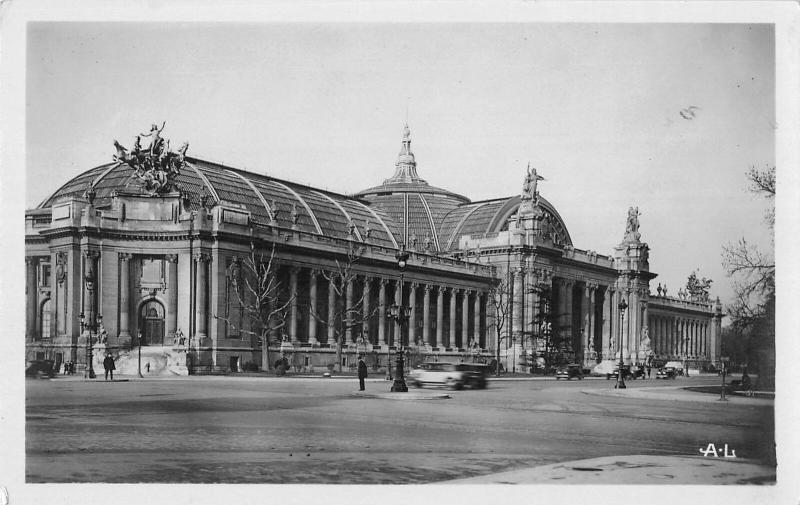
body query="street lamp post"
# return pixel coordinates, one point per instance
(91, 326)
(620, 372)
(399, 313)
(139, 345)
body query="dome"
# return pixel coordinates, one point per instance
(411, 202)
(266, 198)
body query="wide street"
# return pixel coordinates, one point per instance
(314, 430)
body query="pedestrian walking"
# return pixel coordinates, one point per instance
(362, 372)
(649, 369)
(108, 364)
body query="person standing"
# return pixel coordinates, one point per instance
(109, 366)
(362, 372)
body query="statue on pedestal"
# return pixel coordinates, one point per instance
(632, 226)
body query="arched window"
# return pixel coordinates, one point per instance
(44, 320)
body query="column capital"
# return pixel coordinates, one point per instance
(441, 289)
(91, 254)
(202, 257)
(171, 258)
(125, 257)
(383, 281)
(294, 269)
(414, 285)
(314, 272)
(29, 260)
(428, 288)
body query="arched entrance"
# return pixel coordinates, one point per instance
(151, 322)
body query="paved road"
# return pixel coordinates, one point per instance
(290, 430)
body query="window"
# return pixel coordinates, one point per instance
(44, 275)
(44, 320)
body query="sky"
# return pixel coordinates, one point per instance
(596, 108)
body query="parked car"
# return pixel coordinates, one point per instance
(628, 373)
(569, 371)
(676, 365)
(40, 368)
(450, 375)
(666, 372)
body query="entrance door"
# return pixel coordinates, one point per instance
(152, 323)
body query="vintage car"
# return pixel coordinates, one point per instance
(667, 372)
(569, 371)
(41, 368)
(450, 375)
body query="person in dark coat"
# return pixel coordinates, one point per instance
(108, 364)
(362, 372)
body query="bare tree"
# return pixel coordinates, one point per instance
(346, 316)
(752, 312)
(500, 299)
(258, 290)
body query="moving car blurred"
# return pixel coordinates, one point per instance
(40, 368)
(666, 372)
(569, 371)
(450, 375)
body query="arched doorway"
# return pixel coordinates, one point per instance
(151, 322)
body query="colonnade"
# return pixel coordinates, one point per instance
(677, 337)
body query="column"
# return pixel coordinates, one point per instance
(518, 302)
(293, 271)
(312, 306)
(476, 330)
(348, 312)
(365, 309)
(124, 294)
(609, 293)
(31, 264)
(590, 335)
(452, 337)
(586, 317)
(531, 282)
(331, 312)
(465, 319)
(172, 283)
(413, 337)
(568, 311)
(439, 316)
(201, 296)
(382, 311)
(426, 315)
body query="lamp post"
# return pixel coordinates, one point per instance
(514, 354)
(91, 326)
(139, 345)
(620, 372)
(399, 313)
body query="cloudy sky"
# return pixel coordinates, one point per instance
(595, 107)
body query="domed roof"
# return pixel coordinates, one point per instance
(481, 219)
(316, 211)
(410, 201)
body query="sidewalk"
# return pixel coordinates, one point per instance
(636, 469)
(678, 393)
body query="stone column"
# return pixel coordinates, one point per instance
(439, 316)
(365, 309)
(465, 319)
(31, 264)
(172, 283)
(451, 340)
(382, 311)
(312, 306)
(590, 335)
(476, 330)
(201, 296)
(331, 313)
(491, 324)
(412, 314)
(293, 271)
(348, 314)
(125, 293)
(568, 311)
(607, 296)
(426, 315)
(518, 302)
(586, 317)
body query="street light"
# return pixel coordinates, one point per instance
(139, 342)
(620, 372)
(91, 326)
(399, 313)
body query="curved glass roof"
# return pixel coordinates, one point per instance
(317, 211)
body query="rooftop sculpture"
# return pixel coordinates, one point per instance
(156, 166)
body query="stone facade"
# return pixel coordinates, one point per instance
(152, 272)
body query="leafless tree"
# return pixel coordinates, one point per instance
(261, 296)
(500, 299)
(345, 316)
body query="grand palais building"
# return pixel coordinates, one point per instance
(147, 256)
